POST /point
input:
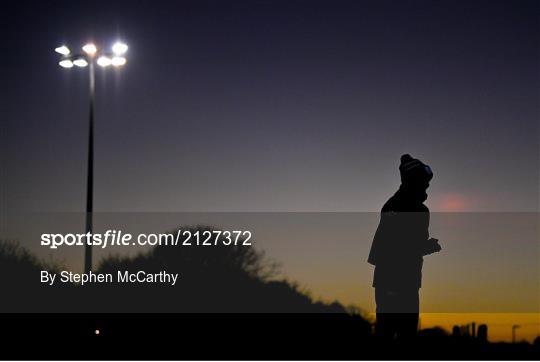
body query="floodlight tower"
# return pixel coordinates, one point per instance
(90, 56)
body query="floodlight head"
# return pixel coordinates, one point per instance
(118, 61)
(64, 50)
(104, 61)
(66, 63)
(119, 48)
(80, 62)
(90, 49)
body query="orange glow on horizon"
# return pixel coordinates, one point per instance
(453, 202)
(499, 324)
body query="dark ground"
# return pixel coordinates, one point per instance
(222, 336)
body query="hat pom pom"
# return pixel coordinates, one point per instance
(406, 158)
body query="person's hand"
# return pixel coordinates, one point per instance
(431, 246)
(436, 247)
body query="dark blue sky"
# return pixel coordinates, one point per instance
(273, 105)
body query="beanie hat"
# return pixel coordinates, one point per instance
(412, 170)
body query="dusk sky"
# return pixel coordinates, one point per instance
(280, 106)
(273, 105)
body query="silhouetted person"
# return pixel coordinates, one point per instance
(400, 243)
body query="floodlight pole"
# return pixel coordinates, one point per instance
(68, 60)
(90, 180)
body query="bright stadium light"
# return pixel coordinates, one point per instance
(88, 58)
(80, 62)
(64, 50)
(66, 63)
(90, 49)
(119, 48)
(118, 61)
(104, 61)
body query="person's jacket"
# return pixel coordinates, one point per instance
(400, 242)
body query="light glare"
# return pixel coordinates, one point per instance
(89, 49)
(118, 61)
(64, 50)
(119, 48)
(104, 61)
(80, 62)
(66, 63)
